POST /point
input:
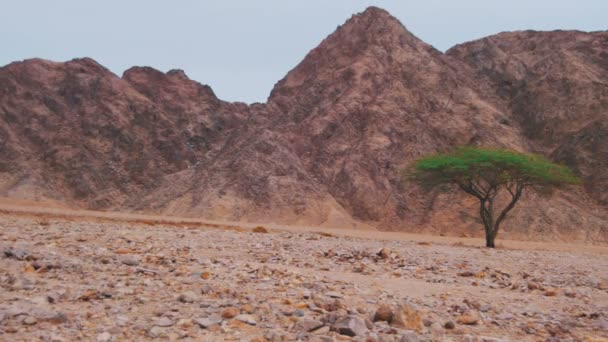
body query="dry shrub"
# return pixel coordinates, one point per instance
(260, 229)
(44, 222)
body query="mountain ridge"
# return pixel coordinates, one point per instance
(328, 145)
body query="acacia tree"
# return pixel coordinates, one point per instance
(488, 174)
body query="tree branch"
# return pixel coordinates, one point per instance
(514, 198)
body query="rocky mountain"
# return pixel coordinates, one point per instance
(328, 146)
(75, 132)
(555, 85)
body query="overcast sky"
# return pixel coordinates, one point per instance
(242, 47)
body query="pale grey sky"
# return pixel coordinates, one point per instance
(242, 47)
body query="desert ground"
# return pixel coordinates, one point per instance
(68, 275)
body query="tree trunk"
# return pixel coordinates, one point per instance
(490, 240)
(486, 213)
(486, 205)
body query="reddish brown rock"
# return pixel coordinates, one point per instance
(329, 145)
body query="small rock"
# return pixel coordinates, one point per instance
(206, 289)
(470, 317)
(260, 229)
(384, 253)
(247, 308)
(322, 331)
(532, 286)
(30, 320)
(248, 319)
(187, 297)
(485, 308)
(437, 331)
(407, 317)
(104, 337)
(53, 317)
(164, 322)
(122, 321)
(449, 325)
(156, 332)
(351, 326)
(409, 336)
(230, 312)
(334, 295)
(384, 313)
(184, 323)
(15, 253)
(208, 321)
(130, 261)
(551, 292)
(309, 325)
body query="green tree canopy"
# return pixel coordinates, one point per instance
(485, 172)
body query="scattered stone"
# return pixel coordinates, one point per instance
(130, 261)
(384, 313)
(164, 322)
(230, 312)
(309, 325)
(437, 331)
(206, 289)
(406, 317)
(247, 308)
(124, 251)
(156, 331)
(104, 337)
(187, 297)
(53, 317)
(248, 319)
(334, 295)
(260, 229)
(471, 317)
(17, 254)
(122, 321)
(208, 321)
(287, 298)
(30, 320)
(384, 253)
(351, 326)
(89, 295)
(409, 336)
(551, 292)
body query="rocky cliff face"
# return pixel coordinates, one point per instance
(76, 132)
(555, 85)
(329, 145)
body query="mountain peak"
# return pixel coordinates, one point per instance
(371, 42)
(375, 11)
(376, 21)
